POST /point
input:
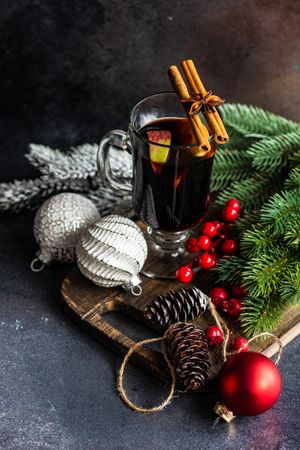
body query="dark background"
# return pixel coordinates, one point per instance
(70, 70)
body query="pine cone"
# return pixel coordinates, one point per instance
(179, 306)
(187, 348)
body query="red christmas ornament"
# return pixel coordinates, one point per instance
(214, 335)
(230, 214)
(249, 383)
(229, 247)
(209, 229)
(233, 203)
(238, 291)
(192, 245)
(238, 343)
(218, 295)
(206, 261)
(203, 242)
(184, 274)
(232, 306)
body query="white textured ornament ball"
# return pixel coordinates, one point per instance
(58, 225)
(112, 252)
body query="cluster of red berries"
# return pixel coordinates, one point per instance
(215, 337)
(230, 305)
(213, 241)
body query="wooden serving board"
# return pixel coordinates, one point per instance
(87, 304)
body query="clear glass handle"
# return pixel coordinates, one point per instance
(117, 139)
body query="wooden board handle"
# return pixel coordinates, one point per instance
(92, 321)
(145, 358)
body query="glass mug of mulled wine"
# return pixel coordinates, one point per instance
(170, 183)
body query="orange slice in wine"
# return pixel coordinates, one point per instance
(159, 154)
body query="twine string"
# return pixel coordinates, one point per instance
(223, 327)
(120, 385)
(226, 333)
(280, 346)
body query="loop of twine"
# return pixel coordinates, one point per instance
(121, 374)
(280, 346)
(226, 333)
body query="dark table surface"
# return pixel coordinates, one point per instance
(58, 385)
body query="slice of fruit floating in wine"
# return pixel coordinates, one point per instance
(159, 153)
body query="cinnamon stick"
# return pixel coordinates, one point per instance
(212, 116)
(198, 128)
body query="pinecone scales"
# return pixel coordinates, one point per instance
(187, 348)
(176, 306)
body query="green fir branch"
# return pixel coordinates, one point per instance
(292, 233)
(252, 121)
(262, 275)
(257, 241)
(237, 141)
(281, 208)
(230, 269)
(247, 221)
(252, 192)
(295, 159)
(290, 290)
(272, 153)
(229, 165)
(293, 179)
(261, 314)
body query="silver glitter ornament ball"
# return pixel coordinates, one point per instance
(58, 225)
(112, 252)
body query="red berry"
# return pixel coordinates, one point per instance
(206, 261)
(214, 335)
(218, 225)
(232, 306)
(233, 203)
(218, 292)
(238, 291)
(192, 245)
(237, 343)
(184, 274)
(209, 229)
(203, 242)
(229, 247)
(230, 214)
(218, 295)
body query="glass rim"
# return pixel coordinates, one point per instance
(210, 138)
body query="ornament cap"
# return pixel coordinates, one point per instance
(223, 412)
(133, 285)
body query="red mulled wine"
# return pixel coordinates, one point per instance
(170, 183)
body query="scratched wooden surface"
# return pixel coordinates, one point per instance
(87, 304)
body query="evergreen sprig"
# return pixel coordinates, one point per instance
(263, 274)
(252, 191)
(261, 314)
(290, 289)
(252, 121)
(282, 209)
(273, 153)
(269, 263)
(293, 179)
(229, 165)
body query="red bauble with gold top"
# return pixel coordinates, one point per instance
(249, 383)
